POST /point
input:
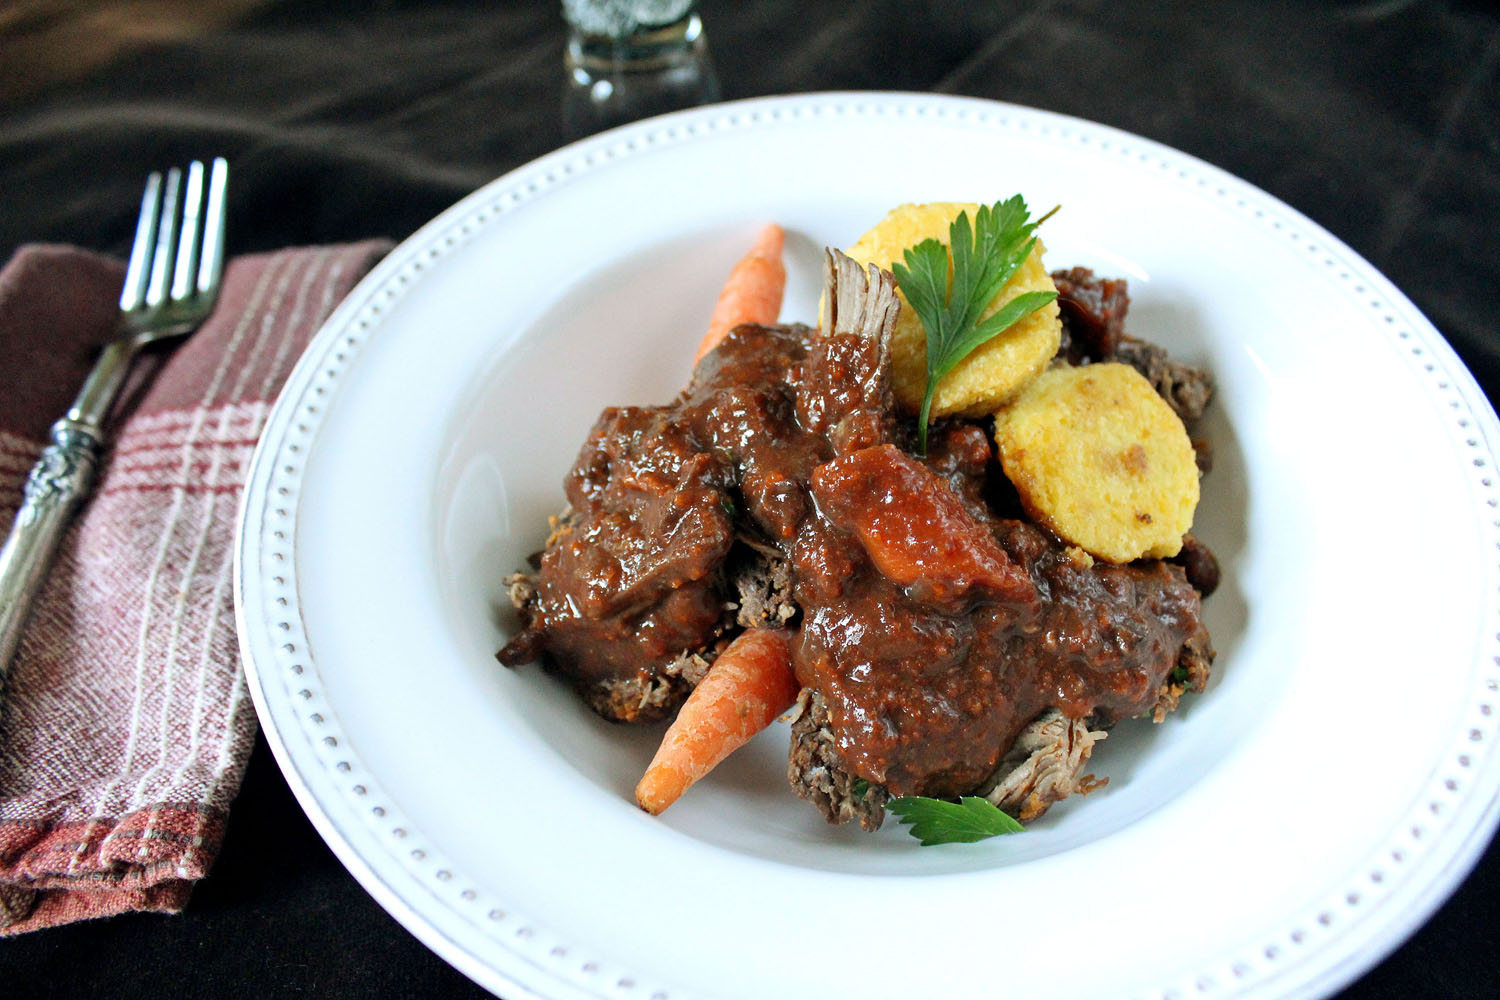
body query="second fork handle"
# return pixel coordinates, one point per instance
(54, 489)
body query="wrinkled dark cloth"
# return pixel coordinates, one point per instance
(1381, 121)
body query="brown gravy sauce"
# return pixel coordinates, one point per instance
(934, 627)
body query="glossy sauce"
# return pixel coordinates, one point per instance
(934, 627)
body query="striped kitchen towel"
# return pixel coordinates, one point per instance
(125, 723)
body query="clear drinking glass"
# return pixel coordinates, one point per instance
(629, 59)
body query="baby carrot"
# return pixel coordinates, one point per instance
(753, 292)
(750, 684)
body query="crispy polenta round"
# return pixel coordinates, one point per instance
(1098, 457)
(998, 368)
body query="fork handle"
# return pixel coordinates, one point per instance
(54, 489)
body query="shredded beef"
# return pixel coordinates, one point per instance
(634, 699)
(1044, 765)
(818, 774)
(1194, 665)
(763, 583)
(1186, 388)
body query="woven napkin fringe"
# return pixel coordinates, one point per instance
(126, 723)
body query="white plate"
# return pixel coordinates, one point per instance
(1275, 838)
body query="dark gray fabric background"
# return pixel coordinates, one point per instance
(1381, 121)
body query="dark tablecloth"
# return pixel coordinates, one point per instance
(1381, 121)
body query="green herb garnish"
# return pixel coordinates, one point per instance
(937, 821)
(984, 259)
(1180, 675)
(861, 788)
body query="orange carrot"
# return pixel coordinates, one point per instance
(753, 292)
(750, 684)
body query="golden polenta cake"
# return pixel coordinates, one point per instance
(997, 369)
(1098, 457)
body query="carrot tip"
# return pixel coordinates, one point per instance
(769, 241)
(753, 291)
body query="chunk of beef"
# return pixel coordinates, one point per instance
(916, 531)
(1199, 563)
(630, 580)
(1093, 314)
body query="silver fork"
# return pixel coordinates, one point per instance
(171, 285)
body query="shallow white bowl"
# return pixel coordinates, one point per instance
(1274, 838)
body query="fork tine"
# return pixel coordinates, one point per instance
(166, 240)
(139, 271)
(211, 267)
(192, 233)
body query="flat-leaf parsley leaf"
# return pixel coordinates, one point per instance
(985, 257)
(938, 821)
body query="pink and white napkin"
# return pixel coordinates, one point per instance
(125, 723)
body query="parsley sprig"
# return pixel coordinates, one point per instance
(938, 821)
(985, 257)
